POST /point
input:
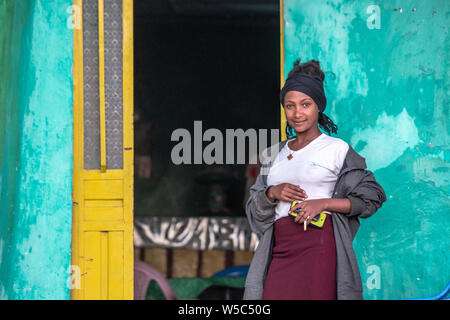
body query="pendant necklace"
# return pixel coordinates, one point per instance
(291, 155)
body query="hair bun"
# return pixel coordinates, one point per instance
(311, 67)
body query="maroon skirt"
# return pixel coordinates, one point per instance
(303, 263)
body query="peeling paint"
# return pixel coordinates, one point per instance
(386, 141)
(433, 170)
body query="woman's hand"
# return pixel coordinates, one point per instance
(286, 192)
(310, 209)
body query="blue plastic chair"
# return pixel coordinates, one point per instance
(440, 296)
(236, 271)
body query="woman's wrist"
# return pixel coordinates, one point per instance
(325, 204)
(269, 194)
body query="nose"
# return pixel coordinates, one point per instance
(298, 113)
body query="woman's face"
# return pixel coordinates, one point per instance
(301, 111)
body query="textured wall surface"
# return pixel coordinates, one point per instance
(36, 44)
(387, 88)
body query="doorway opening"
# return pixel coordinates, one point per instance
(210, 63)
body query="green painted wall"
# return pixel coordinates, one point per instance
(35, 149)
(387, 90)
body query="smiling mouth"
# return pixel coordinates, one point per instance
(299, 122)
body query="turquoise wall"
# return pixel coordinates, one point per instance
(387, 88)
(36, 131)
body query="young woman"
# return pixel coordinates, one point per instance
(296, 259)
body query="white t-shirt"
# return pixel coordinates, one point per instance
(314, 168)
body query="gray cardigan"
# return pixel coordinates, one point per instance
(355, 183)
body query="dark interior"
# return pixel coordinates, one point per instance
(213, 61)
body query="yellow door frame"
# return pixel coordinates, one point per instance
(102, 230)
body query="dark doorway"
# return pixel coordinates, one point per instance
(212, 61)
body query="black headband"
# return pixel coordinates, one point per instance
(310, 85)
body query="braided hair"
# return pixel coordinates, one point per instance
(312, 67)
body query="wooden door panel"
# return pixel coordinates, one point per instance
(102, 232)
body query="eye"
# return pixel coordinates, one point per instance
(306, 105)
(289, 106)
